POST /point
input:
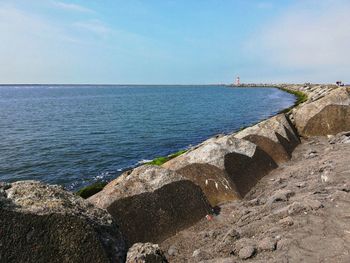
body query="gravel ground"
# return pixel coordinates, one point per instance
(300, 212)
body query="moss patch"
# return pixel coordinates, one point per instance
(163, 159)
(301, 97)
(90, 190)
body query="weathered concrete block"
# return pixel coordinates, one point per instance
(328, 115)
(276, 136)
(152, 203)
(241, 163)
(214, 182)
(42, 223)
(145, 253)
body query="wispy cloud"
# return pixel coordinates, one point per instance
(94, 26)
(309, 38)
(72, 7)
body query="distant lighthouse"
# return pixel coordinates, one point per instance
(238, 81)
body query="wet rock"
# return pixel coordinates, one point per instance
(328, 115)
(4, 186)
(267, 244)
(49, 224)
(152, 203)
(145, 253)
(246, 252)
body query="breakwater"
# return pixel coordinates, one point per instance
(152, 203)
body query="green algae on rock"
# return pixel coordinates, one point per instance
(161, 160)
(92, 189)
(301, 97)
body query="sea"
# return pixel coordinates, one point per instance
(74, 135)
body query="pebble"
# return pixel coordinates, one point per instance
(345, 188)
(283, 243)
(267, 244)
(219, 260)
(246, 252)
(172, 251)
(196, 253)
(231, 235)
(280, 195)
(313, 204)
(301, 184)
(296, 208)
(324, 178)
(211, 234)
(144, 253)
(287, 221)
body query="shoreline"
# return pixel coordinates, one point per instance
(245, 195)
(98, 185)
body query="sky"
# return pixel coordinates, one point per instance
(174, 41)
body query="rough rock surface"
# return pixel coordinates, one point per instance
(240, 162)
(145, 253)
(152, 203)
(276, 136)
(214, 182)
(42, 223)
(297, 213)
(328, 115)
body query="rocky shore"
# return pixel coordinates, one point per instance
(274, 192)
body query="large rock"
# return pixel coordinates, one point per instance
(42, 223)
(152, 203)
(276, 136)
(145, 253)
(328, 115)
(214, 182)
(231, 165)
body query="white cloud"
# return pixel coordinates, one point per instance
(38, 49)
(35, 48)
(310, 38)
(72, 7)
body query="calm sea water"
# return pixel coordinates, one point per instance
(74, 135)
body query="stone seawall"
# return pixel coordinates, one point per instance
(151, 203)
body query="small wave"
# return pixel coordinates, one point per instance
(144, 161)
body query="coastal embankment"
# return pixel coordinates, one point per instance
(273, 192)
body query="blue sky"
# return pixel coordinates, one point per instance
(173, 41)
